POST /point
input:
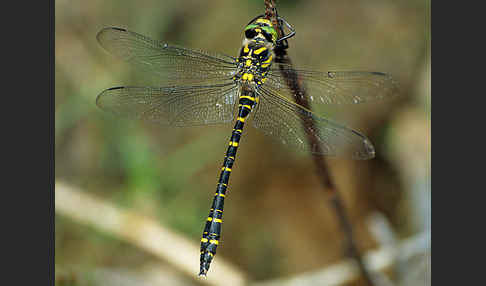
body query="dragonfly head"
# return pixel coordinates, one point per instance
(261, 30)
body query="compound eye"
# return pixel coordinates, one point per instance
(270, 33)
(250, 33)
(267, 36)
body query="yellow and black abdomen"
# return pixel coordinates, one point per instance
(212, 230)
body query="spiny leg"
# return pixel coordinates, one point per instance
(212, 229)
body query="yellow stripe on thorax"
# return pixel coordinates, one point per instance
(260, 50)
(268, 60)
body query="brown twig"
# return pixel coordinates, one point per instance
(343, 272)
(292, 81)
(144, 233)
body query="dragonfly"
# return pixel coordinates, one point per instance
(202, 88)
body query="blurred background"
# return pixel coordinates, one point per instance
(132, 197)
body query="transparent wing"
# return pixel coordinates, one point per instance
(282, 119)
(174, 65)
(176, 106)
(334, 87)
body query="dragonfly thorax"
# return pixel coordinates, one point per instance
(254, 62)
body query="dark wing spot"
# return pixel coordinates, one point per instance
(118, 87)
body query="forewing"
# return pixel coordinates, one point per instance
(174, 65)
(335, 87)
(283, 120)
(176, 106)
